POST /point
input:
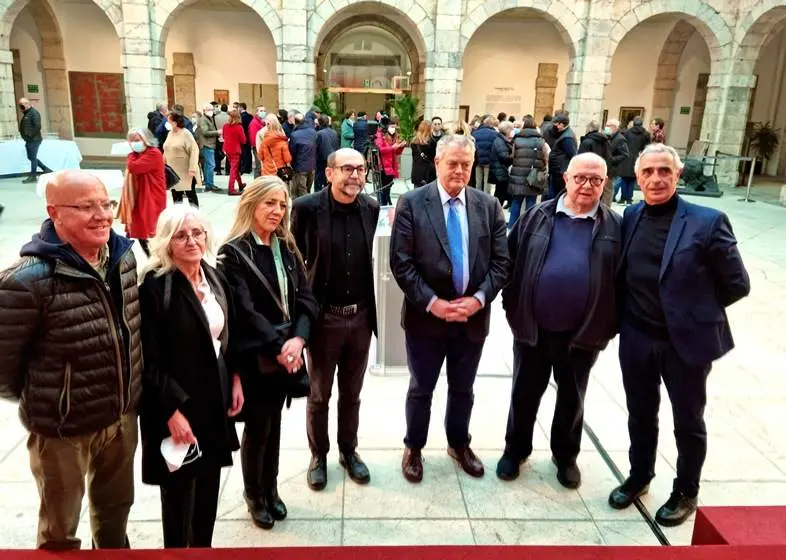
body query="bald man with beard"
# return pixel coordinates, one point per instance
(71, 356)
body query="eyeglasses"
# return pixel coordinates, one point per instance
(595, 181)
(349, 170)
(92, 208)
(182, 237)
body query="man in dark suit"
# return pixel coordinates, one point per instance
(448, 253)
(245, 157)
(360, 129)
(680, 270)
(334, 230)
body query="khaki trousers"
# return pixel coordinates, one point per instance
(59, 466)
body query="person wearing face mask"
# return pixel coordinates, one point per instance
(257, 124)
(206, 139)
(327, 143)
(30, 130)
(390, 148)
(144, 189)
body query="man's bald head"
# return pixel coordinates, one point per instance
(342, 155)
(71, 185)
(24, 102)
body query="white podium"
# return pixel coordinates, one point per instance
(390, 357)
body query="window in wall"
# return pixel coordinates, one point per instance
(98, 103)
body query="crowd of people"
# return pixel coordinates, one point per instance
(187, 349)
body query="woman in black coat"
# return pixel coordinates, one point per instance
(190, 391)
(275, 308)
(501, 158)
(424, 149)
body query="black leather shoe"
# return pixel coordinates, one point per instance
(568, 474)
(317, 473)
(625, 494)
(276, 507)
(260, 515)
(676, 509)
(508, 466)
(355, 467)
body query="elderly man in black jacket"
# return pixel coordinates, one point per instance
(30, 131)
(561, 306)
(71, 355)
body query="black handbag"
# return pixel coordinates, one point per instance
(296, 385)
(172, 178)
(284, 173)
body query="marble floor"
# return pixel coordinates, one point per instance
(745, 414)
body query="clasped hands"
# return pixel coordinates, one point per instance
(456, 311)
(291, 356)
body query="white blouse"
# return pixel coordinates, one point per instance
(213, 312)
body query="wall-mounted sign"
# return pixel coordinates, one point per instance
(32, 88)
(684, 110)
(367, 83)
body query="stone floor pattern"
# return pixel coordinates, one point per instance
(746, 410)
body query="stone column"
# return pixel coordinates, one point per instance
(8, 124)
(144, 65)
(295, 62)
(443, 73)
(725, 120)
(590, 68)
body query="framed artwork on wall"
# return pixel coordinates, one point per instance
(221, 96)
(627, 114)
(464, 113)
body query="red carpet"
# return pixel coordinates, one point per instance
(740, 525)
(723, 552)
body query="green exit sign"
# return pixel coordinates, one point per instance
(32, 88)
(684, 110)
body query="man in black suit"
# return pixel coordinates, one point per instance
(680, 270)
(448, 253)
(334, 230)
(245, 156)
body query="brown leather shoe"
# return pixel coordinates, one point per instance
(467, 460)
(412, 465)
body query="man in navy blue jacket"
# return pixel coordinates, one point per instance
(484, 137)
(303, 147)
(680, 270)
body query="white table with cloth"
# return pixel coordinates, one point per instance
(56, 154)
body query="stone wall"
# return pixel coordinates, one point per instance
(441, 29)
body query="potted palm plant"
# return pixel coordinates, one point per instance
(326, 103)
(406, 107)
(764, 139)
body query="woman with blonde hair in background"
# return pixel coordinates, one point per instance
(275, 309)
(274, 149)
(190, 389)
(423, 153)
(460, 127)
(144, 188)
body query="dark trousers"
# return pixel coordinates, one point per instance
(246, 164)
(626, 184)
(320, 178)
(219, 155)
(532, 368)
(501, 191)
(188, 509)
(261, 445)
(645, 361)
(191, 195)
(383, 194)
(556, 186)
(425, 356)
(338, 348)
(32, 147)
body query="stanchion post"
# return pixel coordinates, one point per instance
(750, 182)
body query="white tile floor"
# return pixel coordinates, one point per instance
(745, 414)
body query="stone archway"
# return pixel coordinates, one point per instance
(53, 66)
(668, 68)
(563, 17)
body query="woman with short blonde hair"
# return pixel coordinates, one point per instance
(275, 308)
(190, 385)
(424, 148)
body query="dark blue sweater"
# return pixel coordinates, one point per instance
(563, 287)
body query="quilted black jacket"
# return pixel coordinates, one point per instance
(70, 350)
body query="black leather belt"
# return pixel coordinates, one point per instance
(343, 310)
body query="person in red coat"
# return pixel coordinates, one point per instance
(234, 138)
(144, 192)
(390, 148)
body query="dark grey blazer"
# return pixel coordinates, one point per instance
(420, 261)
